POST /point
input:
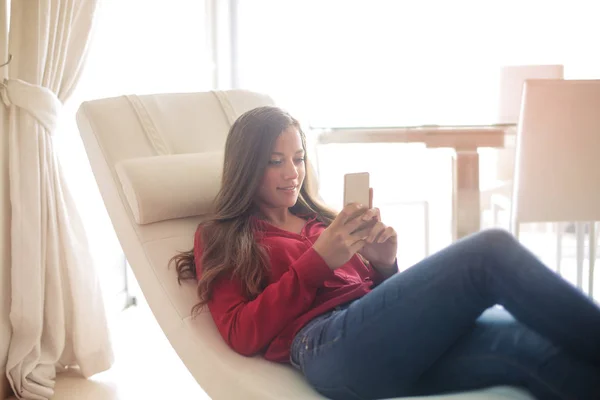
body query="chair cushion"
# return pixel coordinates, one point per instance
(167, 187)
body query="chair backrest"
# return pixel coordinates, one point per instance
(557, 175)
(512, 79)
(133, 144)
(135, 127)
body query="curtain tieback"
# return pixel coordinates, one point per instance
(37, 100)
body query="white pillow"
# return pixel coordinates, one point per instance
(173, 186)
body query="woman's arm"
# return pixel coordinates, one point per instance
(249, 326)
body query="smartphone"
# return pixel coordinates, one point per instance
(356, 188)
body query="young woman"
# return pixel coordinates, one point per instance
(285, 277)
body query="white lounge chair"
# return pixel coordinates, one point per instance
(156, 159)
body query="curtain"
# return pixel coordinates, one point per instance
(5, 333)
(57, 314)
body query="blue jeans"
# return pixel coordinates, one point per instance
(434, 328)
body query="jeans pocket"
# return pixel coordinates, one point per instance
(306, 348)
(298, 350)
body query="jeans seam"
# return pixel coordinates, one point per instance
(516, 364)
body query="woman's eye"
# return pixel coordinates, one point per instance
(279, 162)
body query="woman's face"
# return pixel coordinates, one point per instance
(285, 172)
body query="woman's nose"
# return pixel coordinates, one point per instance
(290, 171)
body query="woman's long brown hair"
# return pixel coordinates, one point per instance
(228, 245)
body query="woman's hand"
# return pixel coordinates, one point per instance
(341, 240)
(381, 244)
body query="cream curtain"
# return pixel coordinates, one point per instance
(57, 312)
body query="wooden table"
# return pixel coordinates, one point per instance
(465, 140)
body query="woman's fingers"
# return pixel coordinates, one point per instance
(365, 228)
(370, 214)
(357, 246)
(360, 234)
(377, 214)
(348, 214)
(376, 231)
(366, 220)
(387, 234)
(354, 225)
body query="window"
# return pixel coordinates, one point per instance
(388, 62)
(369, 63)
(139, 47)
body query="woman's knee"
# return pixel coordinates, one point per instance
(498, 241)
(493, 247)
(495, 235)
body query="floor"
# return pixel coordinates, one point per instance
(146, 366)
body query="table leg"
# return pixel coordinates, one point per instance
(466, 212)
